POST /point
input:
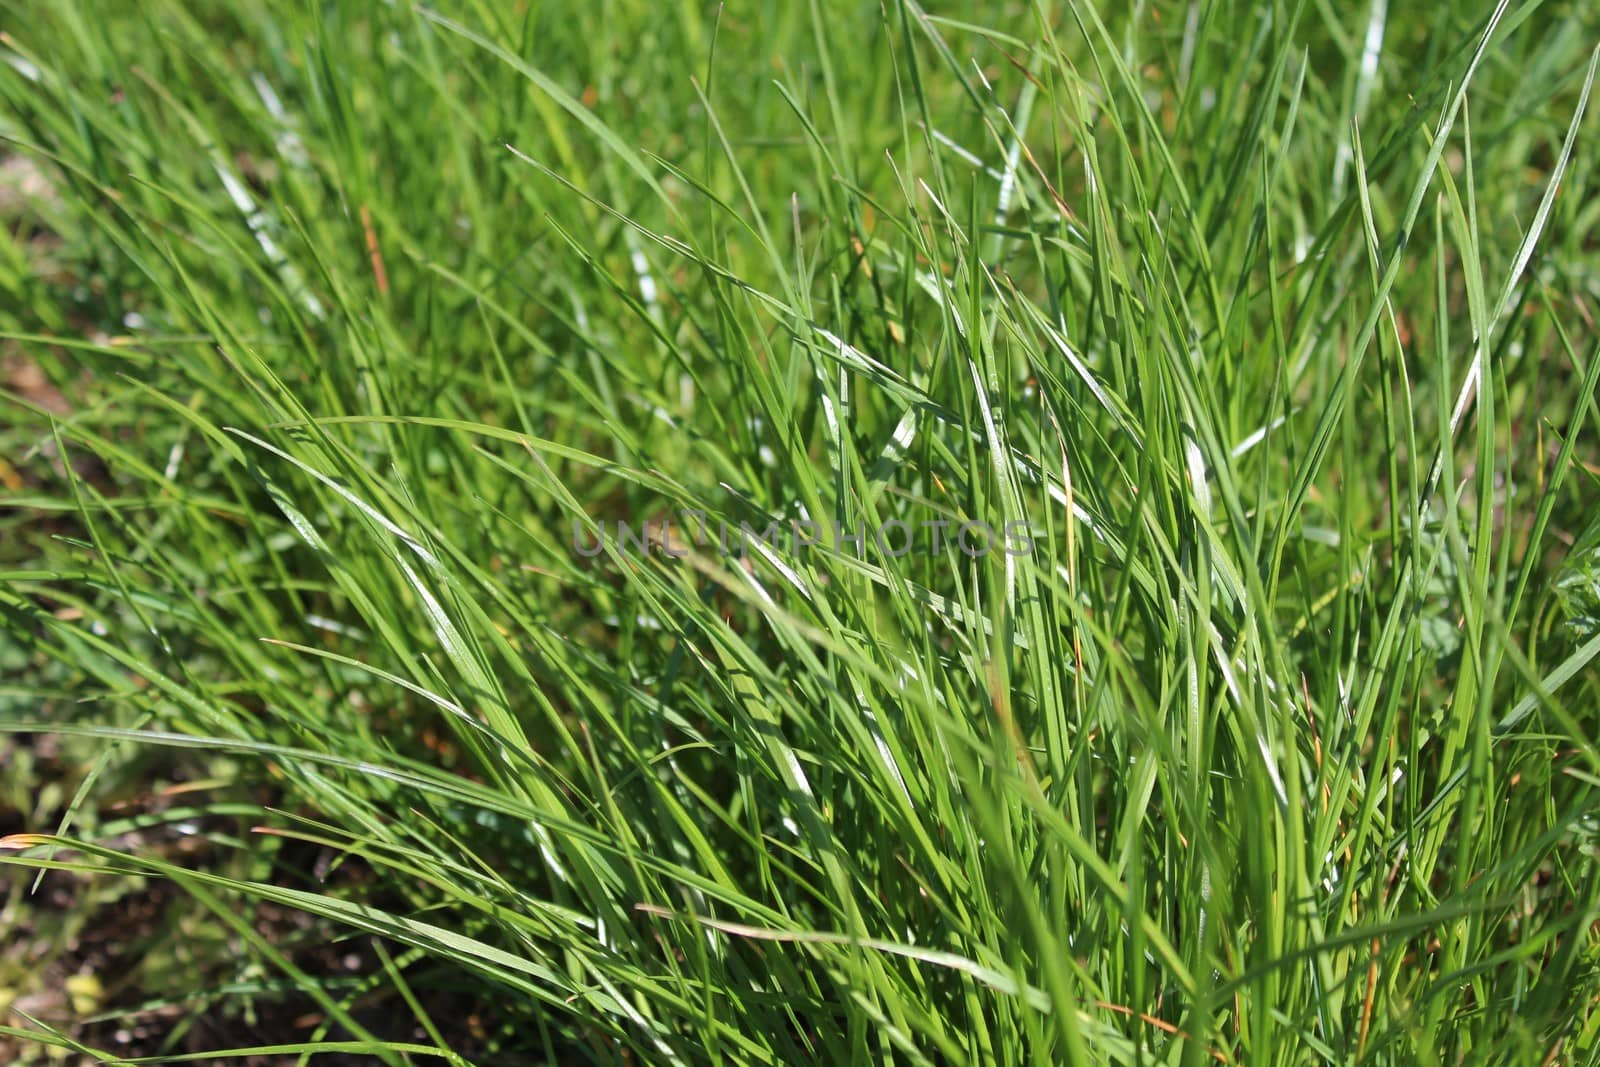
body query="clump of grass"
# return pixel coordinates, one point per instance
(1266, 329)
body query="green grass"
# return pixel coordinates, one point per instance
(331, 326)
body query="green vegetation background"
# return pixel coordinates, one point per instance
(325, 323)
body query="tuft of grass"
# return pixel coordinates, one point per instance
(342, 341)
